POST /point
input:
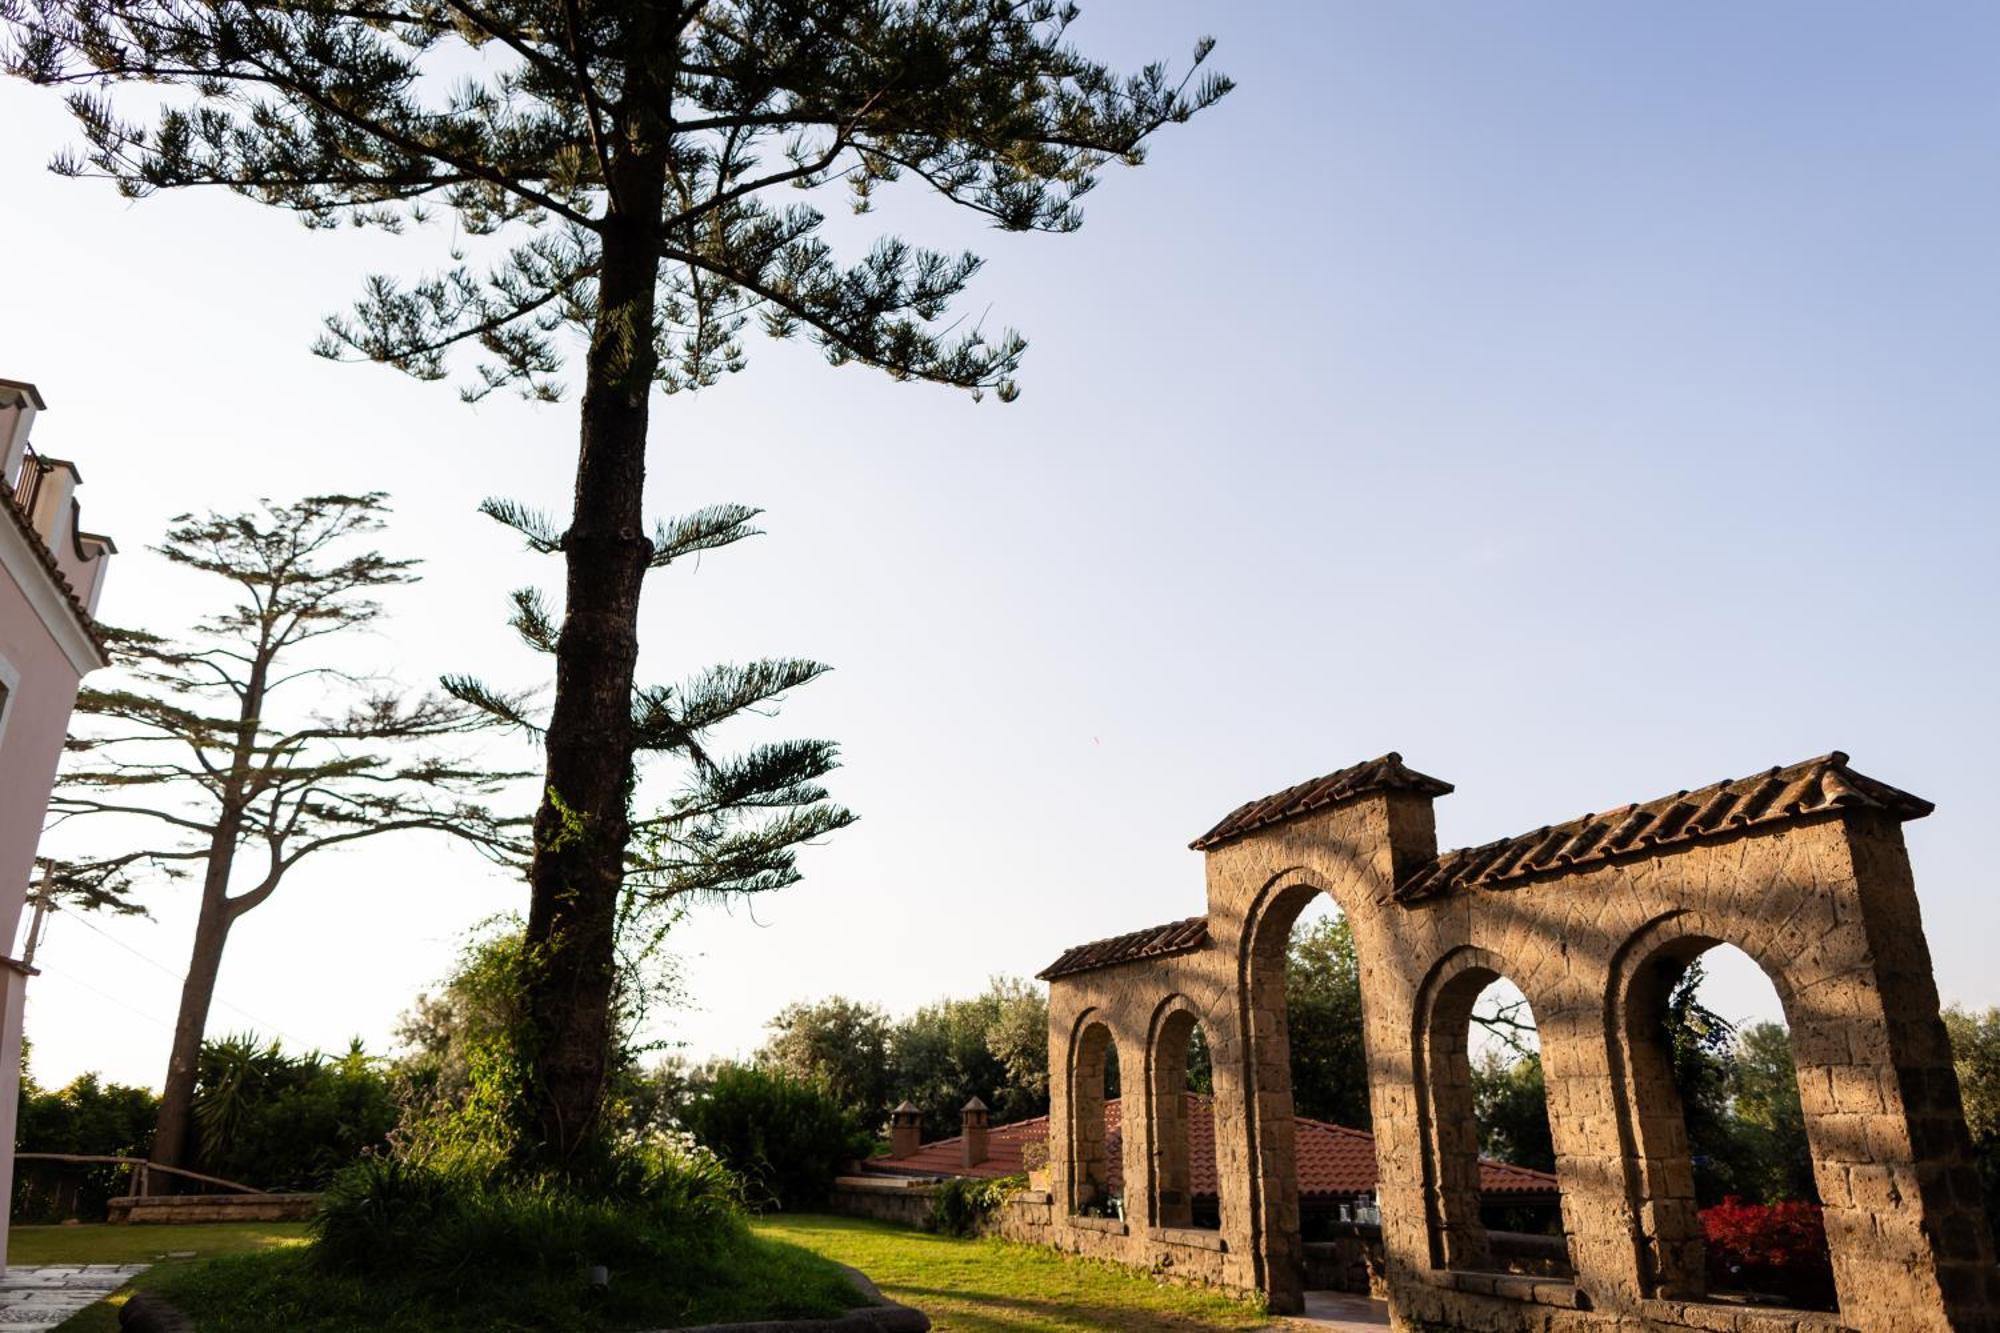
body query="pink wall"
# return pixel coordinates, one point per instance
(31, 741)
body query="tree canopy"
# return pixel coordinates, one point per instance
(245, 744)
(617, 169)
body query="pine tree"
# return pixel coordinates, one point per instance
(623, 159)
(192, 744)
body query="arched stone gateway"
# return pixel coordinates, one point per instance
(1802, 868)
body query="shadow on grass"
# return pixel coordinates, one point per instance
(971, 1312)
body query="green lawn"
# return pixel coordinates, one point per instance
(994, 1286)
(966, 1286)
(251, 1278)
(101, 1244)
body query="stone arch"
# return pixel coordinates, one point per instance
(1651, 1120)
(1272, 1152)
(1088, 1174)
(1169, 1192)
(1447, 1129)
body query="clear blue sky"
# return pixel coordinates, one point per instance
(1585, 400)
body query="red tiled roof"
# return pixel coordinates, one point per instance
(1775, 796)
(1334, 1162)
(1152, 942)
(1385, 774)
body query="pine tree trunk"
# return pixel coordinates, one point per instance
(171, 1140)
(211, 933)
(582, 827)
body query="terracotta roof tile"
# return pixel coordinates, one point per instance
(1775, 796)
(1334, 1162)
(1152, 942)
(1385, 774)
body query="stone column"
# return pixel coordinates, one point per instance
(1911, 1248)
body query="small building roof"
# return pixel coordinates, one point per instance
(1334, 1161)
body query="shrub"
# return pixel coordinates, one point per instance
(436, 1245)
(786, 1138)
(88, 1118)
(281, 1121)
(448, 1228)
(960, 1207)
(1773, 1248)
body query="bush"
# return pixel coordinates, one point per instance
(444, 1228)
(279, 1121)
(786, 1138)
(1777, 1249)
(423, 1246)
(88, 1118)
(960, 1207)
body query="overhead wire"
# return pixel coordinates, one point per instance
(158, 966)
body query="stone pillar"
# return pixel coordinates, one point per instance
(905, 1131)
(1911, 1247)
(1673, 1255)
(1088, 1176)
(972, 1132)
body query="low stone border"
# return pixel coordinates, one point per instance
(147, 1313)
(174, 1209)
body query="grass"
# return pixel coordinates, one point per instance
(99, 1243)
(996, 1286)
(248, 1277)
(102, 1244)
(257, 1280)
(283, 1290)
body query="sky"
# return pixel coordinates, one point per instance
(1585, 401)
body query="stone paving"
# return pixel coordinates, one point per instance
(1343, 1311)
(42, 1296)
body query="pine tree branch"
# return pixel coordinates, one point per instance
(74, 807)
(706, 529)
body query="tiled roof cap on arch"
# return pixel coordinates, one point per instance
(1152, 942)
(1388, 773)
(1774, 796)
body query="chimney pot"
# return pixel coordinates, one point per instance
(972, 1132)
(905, 1131)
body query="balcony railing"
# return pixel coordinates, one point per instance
(28, 482)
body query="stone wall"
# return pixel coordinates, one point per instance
(1809, 877)
(906, 1202)
(158, 1209)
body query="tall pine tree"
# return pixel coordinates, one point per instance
(627, 158)
(215, 760)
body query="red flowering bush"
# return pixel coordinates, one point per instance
(1776, 1249)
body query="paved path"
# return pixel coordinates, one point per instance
(36, 1298)
(1325, 1309)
